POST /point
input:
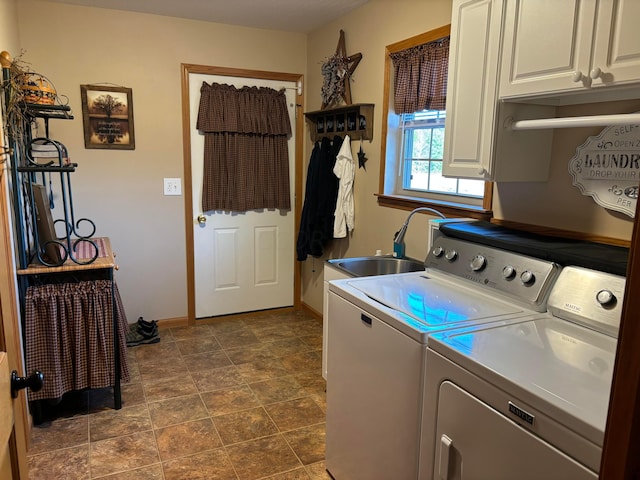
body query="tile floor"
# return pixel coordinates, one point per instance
(238, 399)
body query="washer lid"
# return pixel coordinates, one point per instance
(559, 367)
(435, 303)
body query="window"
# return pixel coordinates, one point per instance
(413, 141)
(422, 153)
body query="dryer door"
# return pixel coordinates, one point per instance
(474, 441)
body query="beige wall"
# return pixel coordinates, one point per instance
(9, 39)
(368, 30)
(122, 191)
(557, 203)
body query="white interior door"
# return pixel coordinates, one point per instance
(243, 261)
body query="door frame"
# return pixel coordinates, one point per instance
(10, 338)
(188, 69)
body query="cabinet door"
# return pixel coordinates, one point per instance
(474, 441)
(616, 56)
(546, 46)
(472, 88)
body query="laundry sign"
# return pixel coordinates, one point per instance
(607, 167)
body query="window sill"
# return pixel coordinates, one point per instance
(449, 209)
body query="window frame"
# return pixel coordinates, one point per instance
(389, 125)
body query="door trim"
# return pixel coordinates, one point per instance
(10, 340)
(188, 69)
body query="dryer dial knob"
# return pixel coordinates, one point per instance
(605, 298)
(451, 255)
(478, 263)
(509, 272)
(527, 277)
(437, 251)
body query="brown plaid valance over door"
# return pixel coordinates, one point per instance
(246, 157)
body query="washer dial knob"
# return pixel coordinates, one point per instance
(605, 298)
(478, 263)
(527, 277)
(451, 255)
(437, 251)
(509, 272)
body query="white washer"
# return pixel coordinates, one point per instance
(377, 347)
(526, 399)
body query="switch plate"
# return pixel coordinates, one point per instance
(173, 186)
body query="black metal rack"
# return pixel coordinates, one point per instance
(25, 173)
(49, 258)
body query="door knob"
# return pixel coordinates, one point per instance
(35, 381)
(202, 219)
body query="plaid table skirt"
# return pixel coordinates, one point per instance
(69, 336)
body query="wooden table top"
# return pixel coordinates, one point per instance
(106, 261)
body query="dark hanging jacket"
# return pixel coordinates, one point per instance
(321, 194)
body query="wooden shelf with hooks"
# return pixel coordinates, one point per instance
(354, 120)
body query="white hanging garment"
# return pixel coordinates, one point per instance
(344, 169)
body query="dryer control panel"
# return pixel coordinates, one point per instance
(589, 297)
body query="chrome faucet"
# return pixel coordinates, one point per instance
(398, 239)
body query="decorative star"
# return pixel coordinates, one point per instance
(362, 158)
(352, 62)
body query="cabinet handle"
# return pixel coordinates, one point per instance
(445, 457)
(482, 171)
(595, 73)
(577, 76)
(365, 319)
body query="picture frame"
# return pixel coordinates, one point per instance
(107, 117)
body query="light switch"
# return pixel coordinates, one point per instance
(173, 186)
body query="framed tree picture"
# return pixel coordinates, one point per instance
(107, 116)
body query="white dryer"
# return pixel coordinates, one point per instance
(525, 399)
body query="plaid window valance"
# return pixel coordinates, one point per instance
(420, 77)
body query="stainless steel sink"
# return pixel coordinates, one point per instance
(369, 266)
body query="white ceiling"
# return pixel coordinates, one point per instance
(301, 16)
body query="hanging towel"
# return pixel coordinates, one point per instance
(344, 169)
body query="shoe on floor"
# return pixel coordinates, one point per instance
(148, 329)
(147, 325)
(152, 332)
(135, 338)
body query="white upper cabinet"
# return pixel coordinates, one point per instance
(552, 46)
(472, 87)
(616, 44)
(477, 145)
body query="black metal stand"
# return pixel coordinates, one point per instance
(31, 245)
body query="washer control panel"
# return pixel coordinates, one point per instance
(520, 277)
